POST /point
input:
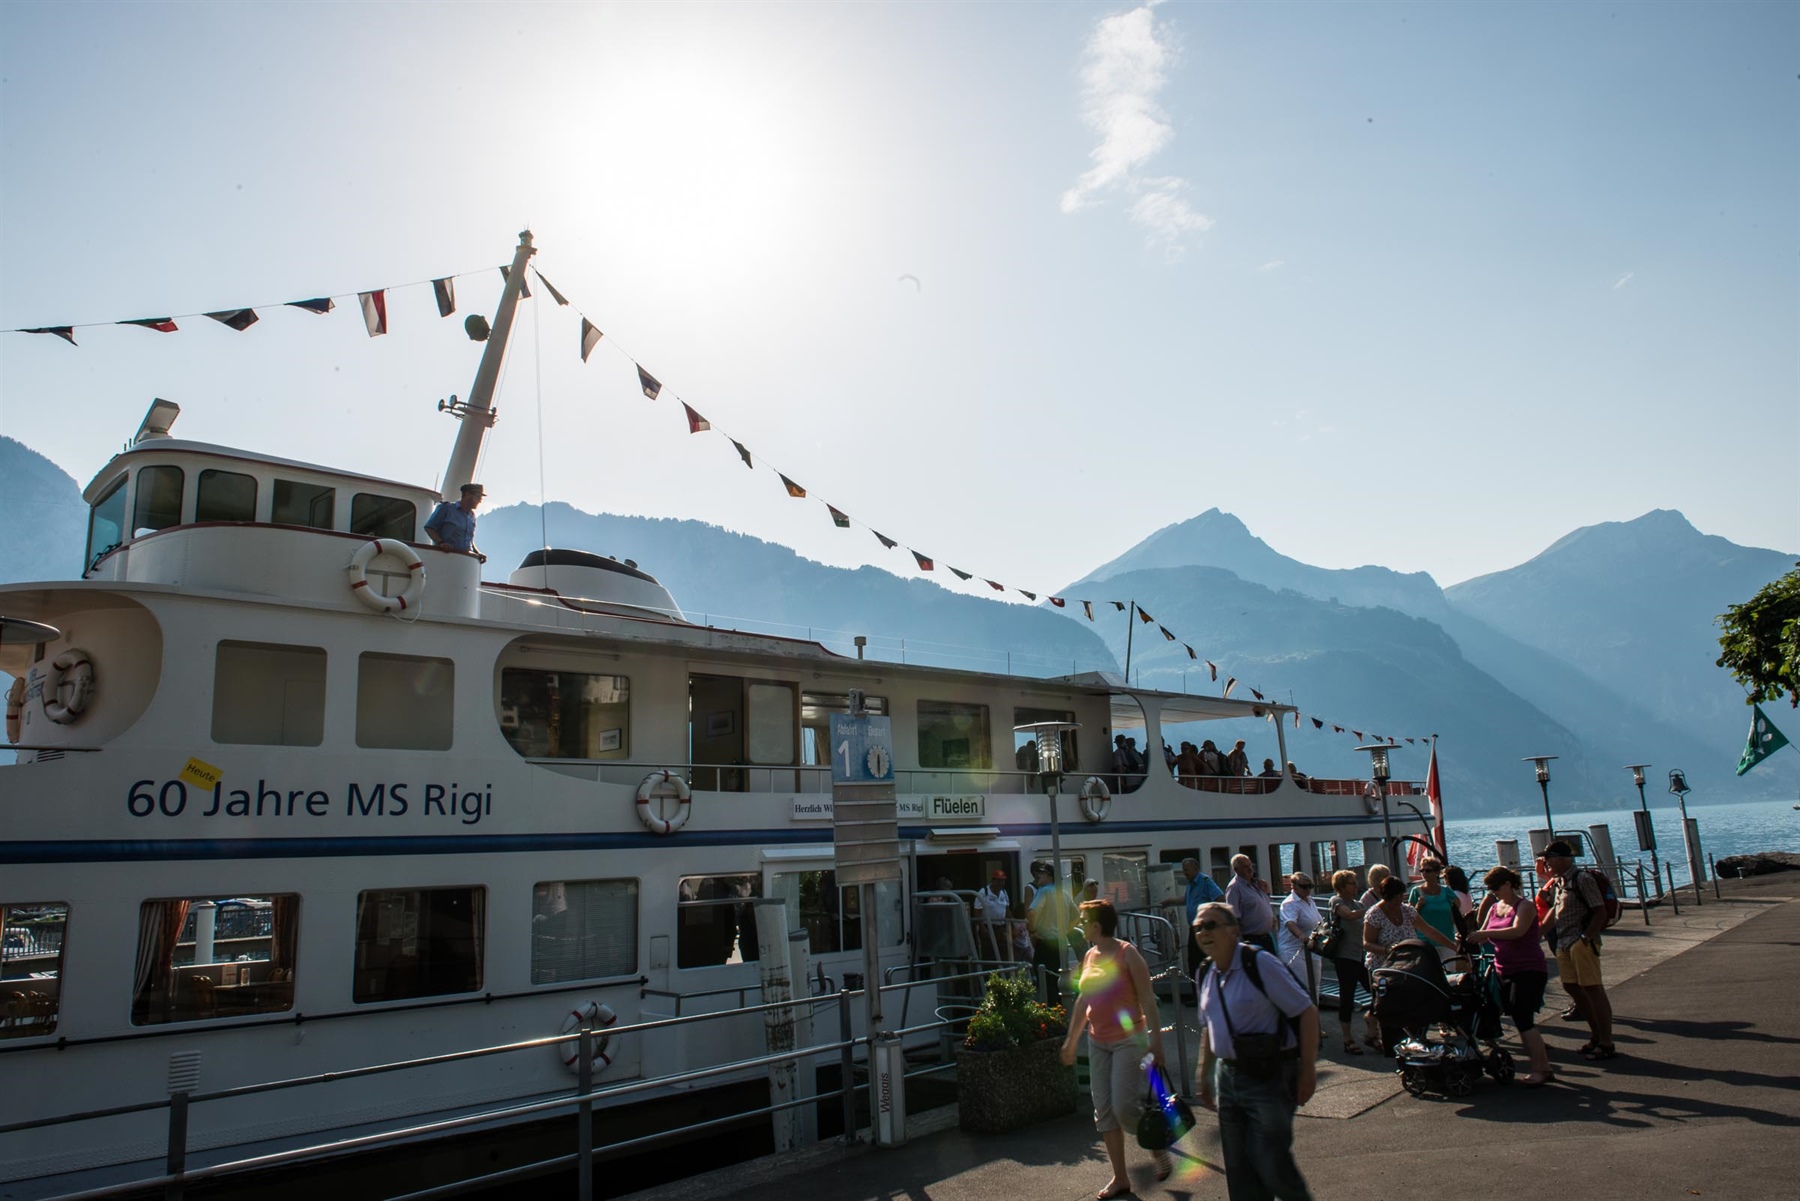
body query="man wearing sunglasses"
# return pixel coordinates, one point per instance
(1259, 1046)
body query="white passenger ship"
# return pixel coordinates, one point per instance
(296, 792)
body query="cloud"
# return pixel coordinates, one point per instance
(1623, 280)
(1273, 265)
(1124, 65)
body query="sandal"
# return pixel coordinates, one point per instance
(1548, 1078)
(1353, 1048)
(1600, 1051)
(1164, 1165)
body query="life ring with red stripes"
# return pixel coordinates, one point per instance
(659, 786)
(1371, 799)
(408, 598)
(589, 1015)
(1095, 799)
(68, 687)
(15, 707)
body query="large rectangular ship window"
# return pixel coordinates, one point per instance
(268, 695)
(293, 503)
(583, 930)
(831, 914)
(715, 924)
(816, 709)
(215, 957)
(158, 500)
(31, 954)
(404, 702)
(418, 942)
(952, 734)
(382, 516)
(565, 714)
(225, 496)
(106, 522)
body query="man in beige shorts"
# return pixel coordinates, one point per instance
(1578, 915)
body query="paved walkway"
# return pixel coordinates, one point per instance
(1703, 1102)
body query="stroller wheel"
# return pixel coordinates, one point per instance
(1500, 1066)
(1412, 1082)
(1458, 1083)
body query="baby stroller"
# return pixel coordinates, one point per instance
(1443, 1030)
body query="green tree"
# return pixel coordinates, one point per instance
(1761, 641)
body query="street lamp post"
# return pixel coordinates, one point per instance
(1637, 777)
(1679, 786)
(1543, 779)
(1378, 777)
(1049, 748)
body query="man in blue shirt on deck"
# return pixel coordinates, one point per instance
(1200, 890)
(452, 526)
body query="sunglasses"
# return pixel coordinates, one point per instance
(1304, 887)
(1209, 925)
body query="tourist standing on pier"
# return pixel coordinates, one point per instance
(1259, 1047)
(1578, 915)
(1378, 874)
(1299, 917)
(1510, 921)
(1051, 919)
(1250, 901)
(1118, 1009)
(991, 906)
(1347, 911)
(1436, 905)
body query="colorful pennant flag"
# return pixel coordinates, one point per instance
(1088, 608)
(1167, 637)
(794, 490)
(1229, 685)
(1338, 729)
(696, 423)
(649, 383)
(238, 319)
(1189, 650)
(162, 325)
(1144, 616)
(996, 586)
(1296, 719)
(884, 539)
(1059, 602)
(1213, 668)
(1256, 694)
(65, 332)
(318, 305)
(590, 338)
(1118, 605)
(1028, 595)
(558, 297)
(839, 518)
(744, 454)
(1359, 735)
(1317, 724)
(374, 307)
(444, 290)
(1764, 741)
(1409, 742)
(960, 574)
(924, 563)
(524, 284)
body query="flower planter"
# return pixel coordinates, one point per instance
(998, 1091)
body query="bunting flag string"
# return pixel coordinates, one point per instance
(444, 290)
(697, 423)
(374, 307)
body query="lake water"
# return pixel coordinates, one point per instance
(1741, 829)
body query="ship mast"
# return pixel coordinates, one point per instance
(477, 414)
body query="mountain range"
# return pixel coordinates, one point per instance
(1600, 650)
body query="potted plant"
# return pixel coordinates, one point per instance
(1008, 1072)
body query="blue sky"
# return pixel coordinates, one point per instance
(1423, 285)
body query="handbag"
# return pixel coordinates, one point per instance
(1325, 940)
(1166, 1117)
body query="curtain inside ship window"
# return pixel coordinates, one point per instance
(583, 930)
(225, 496)
(418, 942)
(1221, 866)
(565, 714)
(214, 957)
(31, 952)
(106, 521)
(1025, 751)
(268, 695)
(952, 734)
(382, 516)
(158, 500)
(831, 914)
(714, 922)
(404, 702)
(771, 722)
(294, 503)
(1127, 875)
(816, 709)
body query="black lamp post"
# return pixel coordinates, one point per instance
(1378, 777)
(1637, 777)
(1048, 735)
(1543, 779)
(1679, 786)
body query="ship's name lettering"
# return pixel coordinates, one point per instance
(170, 798)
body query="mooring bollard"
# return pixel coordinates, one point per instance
(1643, 897)
(1714, 869)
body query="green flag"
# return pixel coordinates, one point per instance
(1765, 740)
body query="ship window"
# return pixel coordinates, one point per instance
(158, 500)
(31, 951)
(382, 516)
(583, 930)
(952, 734)
(225, 496)
(715, 922)
(106, 522)
(831, 914)
(769, 728)
(269, 695)
(418, 942)
(214, 957)
(565, 714)
(816, 709)
(295, 503)
(403, 702)
(1127, 879)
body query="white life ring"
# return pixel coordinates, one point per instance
(1095, 799)
(359, 575)
(657, 786)
(591, 1015)
(1371, 801)
(71, 672)
(15, 707)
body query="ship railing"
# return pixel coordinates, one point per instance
(580, 1101)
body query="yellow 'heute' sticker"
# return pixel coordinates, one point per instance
(201, 774)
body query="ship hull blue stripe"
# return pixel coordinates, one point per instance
(146, 850)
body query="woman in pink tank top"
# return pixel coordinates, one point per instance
(1509, 920)
(1118, 1009)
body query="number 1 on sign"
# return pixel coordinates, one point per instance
(843, 748)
